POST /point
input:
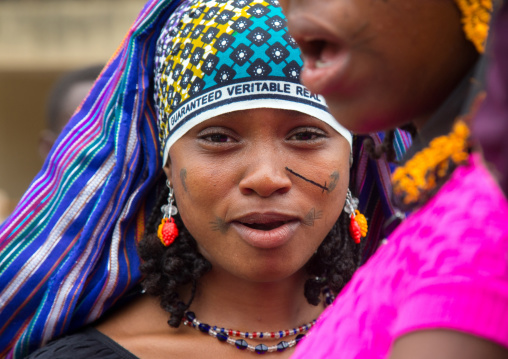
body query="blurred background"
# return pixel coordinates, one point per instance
(41, 41)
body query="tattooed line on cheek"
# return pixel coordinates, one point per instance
(310, 217)
(334, 179)
(324, 188)
(183, 178)
(219, 225)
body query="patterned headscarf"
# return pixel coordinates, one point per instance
(68, 251)
(215, 57)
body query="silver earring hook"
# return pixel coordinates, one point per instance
(168, 209)
(351, 203)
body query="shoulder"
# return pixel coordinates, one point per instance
(452, 257)
(459, 237)
(87, 344)
(472, 193)
(469, 211)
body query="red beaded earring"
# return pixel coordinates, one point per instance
(358, 226)
(167, 231)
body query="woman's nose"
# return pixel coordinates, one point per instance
(265, 175)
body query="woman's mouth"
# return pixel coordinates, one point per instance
(325, 63)
(266, 230)
(325, 51)
(264, 226)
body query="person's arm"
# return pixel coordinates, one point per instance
(445, 344)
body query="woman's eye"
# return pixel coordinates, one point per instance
(217, 137)
(214, 136)
(307, 135)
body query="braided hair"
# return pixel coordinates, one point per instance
(387, 147)
(166, 270)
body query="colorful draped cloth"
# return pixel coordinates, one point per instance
(68, 252)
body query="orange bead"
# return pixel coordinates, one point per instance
(167, 231)
(354, 229)
(362, 223)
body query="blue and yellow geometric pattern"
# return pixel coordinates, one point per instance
(212, 44)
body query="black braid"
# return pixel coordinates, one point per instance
(337, 258)
(386, 147)
(409, 127)
(168, 269)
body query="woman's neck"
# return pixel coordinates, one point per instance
(228, 301)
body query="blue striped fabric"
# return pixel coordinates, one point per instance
(370, 180)
(68, 252)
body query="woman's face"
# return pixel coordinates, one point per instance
(237, 185)
(380, 63)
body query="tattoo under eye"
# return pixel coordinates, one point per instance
(334, 179)
(183, 178)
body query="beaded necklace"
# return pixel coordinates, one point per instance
(415, 181)
(476, 15)
(226, 335)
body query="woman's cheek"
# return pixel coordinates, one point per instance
(199, 185)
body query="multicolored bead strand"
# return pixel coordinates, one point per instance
(225, 335)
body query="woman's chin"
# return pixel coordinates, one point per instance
(268, 270)
(356, 116)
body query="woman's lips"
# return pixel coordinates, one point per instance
(266, 231)
(325, 64)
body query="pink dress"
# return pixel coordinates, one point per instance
(446, 266)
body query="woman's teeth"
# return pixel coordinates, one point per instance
(320, 64)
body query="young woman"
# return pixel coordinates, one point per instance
(201, 110)
(439, 288)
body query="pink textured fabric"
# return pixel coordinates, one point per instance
(444, 267)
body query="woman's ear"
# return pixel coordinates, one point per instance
(167, 170)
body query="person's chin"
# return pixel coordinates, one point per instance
(272, 270)
(360, 116)
(347, 115)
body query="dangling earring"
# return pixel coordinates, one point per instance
(167, 231)
(358, 224)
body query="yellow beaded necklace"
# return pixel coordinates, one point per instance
(421, 174)
(414, 182)
(476, 16)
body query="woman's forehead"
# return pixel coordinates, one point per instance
(256, 113)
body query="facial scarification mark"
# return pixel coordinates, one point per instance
(219, 225)
(324, 188)
(334, 179)
(309, 219)
(183, 178)
(362, 36)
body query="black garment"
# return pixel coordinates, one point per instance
(86, 344)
